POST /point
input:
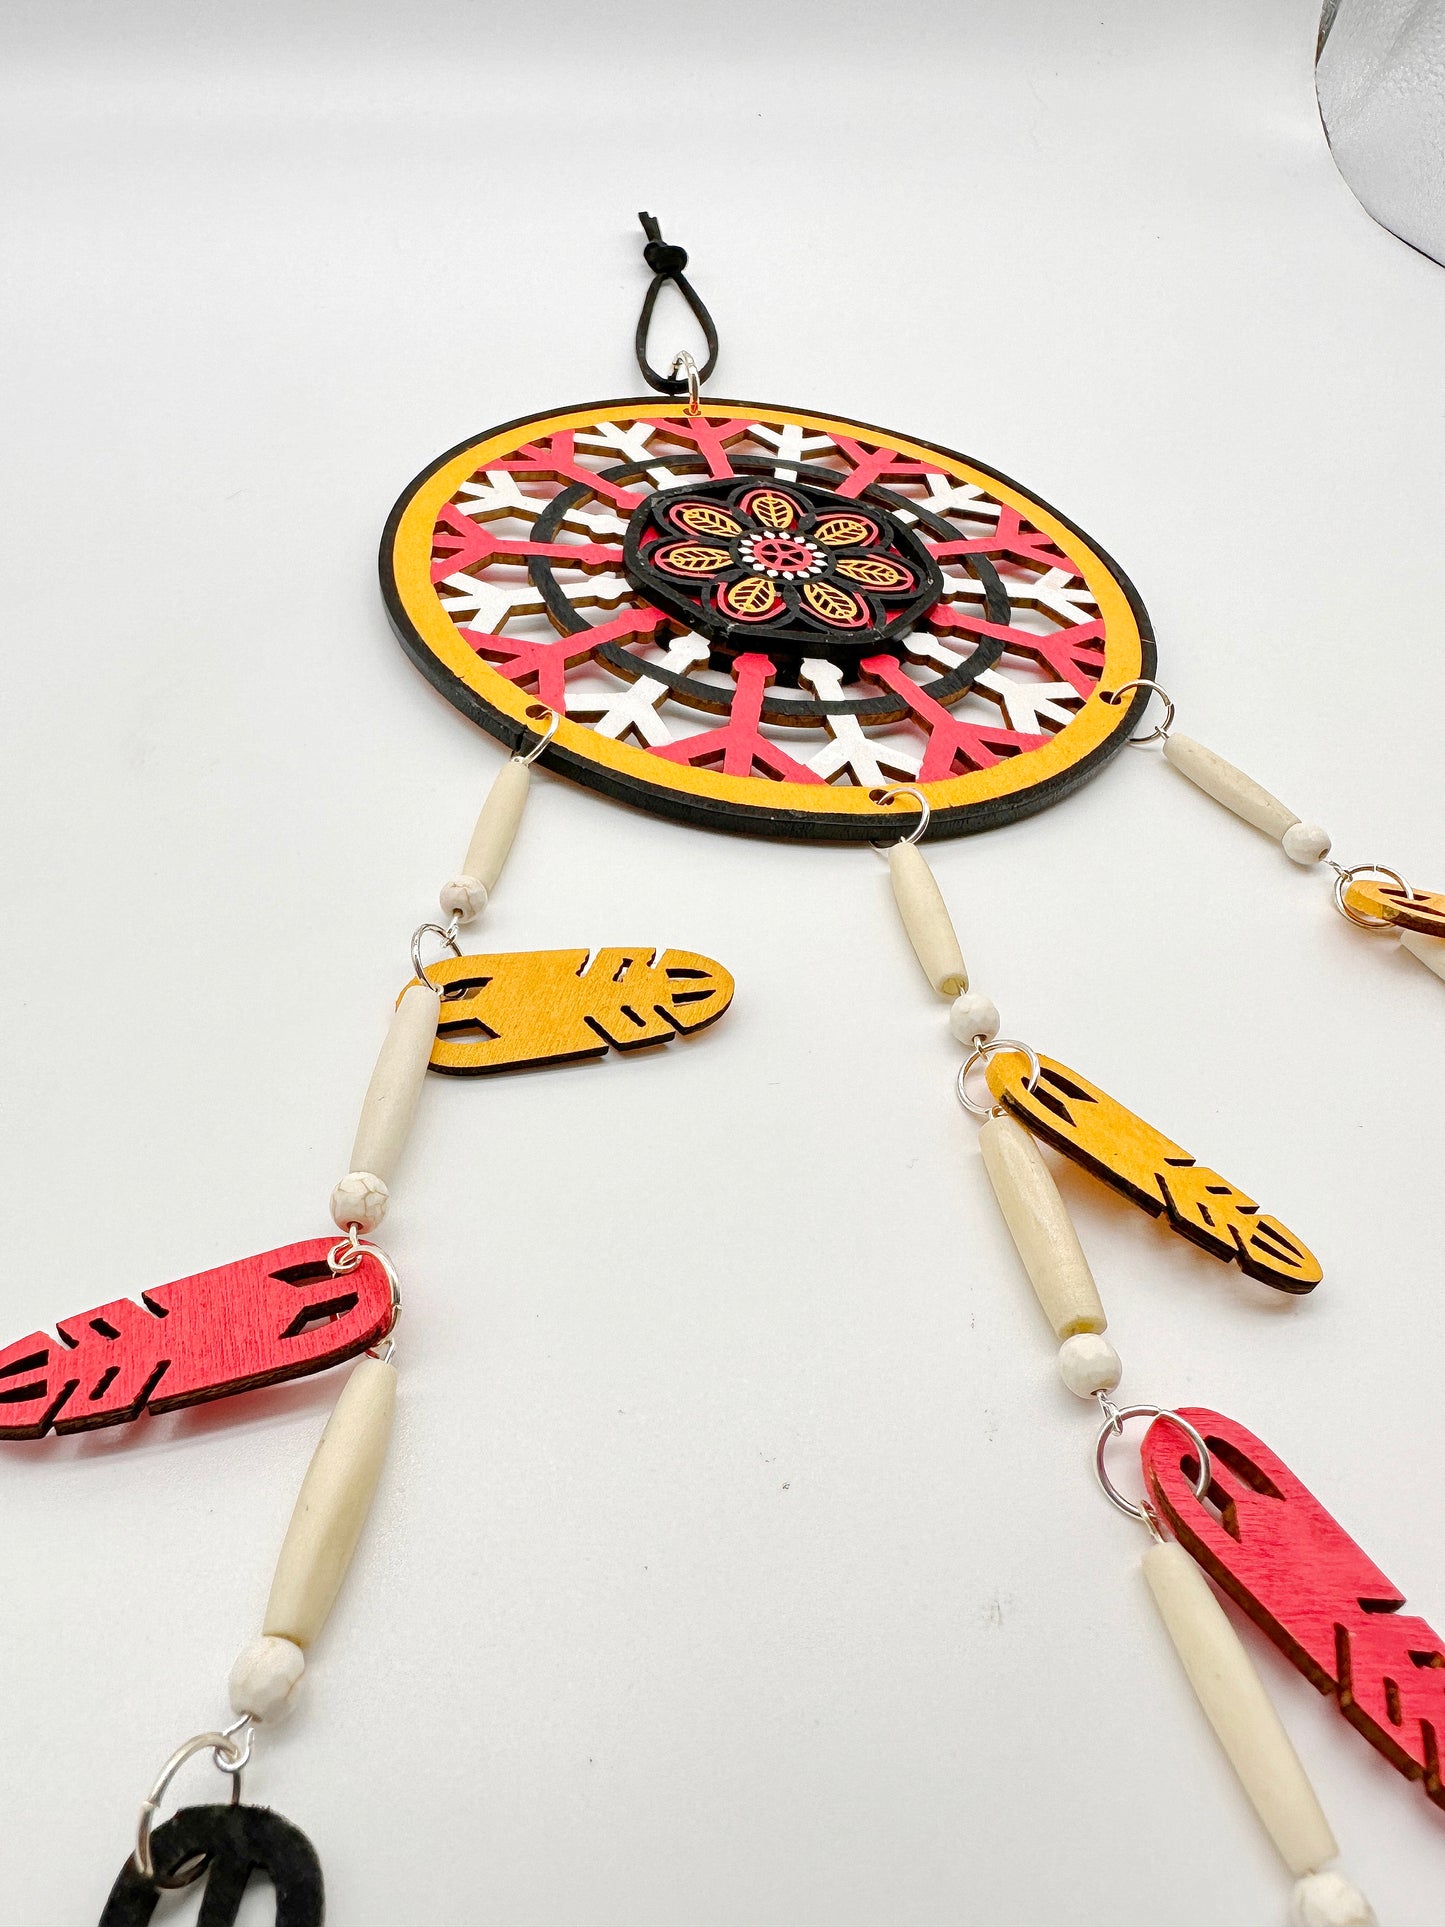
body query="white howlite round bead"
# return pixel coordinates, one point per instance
(361, 1200)
(1329, 1900)
(264, 1677)
(973, 1015)
(463, 898)
(1305, 843)
(1089, 1364)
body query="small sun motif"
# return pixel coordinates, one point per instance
(794, 569)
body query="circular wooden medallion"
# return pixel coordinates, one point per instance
(755, 618)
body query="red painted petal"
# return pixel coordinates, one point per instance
(773, 508)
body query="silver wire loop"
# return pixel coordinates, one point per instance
(983, 1050)
(1342, 877)
(1114, 1417)
(554, 723)
(925, 811)
(1156, 735)
(448, 935)
(684, 364)
(347, 1255)
(344, 1256)
(230, 1757)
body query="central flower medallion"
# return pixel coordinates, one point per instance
(789, 570)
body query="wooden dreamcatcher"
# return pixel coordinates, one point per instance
(756, 618)
(775, 622)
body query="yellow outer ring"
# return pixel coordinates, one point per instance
(1128, 649)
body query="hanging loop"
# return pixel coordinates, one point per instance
(344, 1258)
(684, 365)
(230, 1756)
(550, 727)
(667, 263)
(1345, 877)
(1114, 1417)
(1156, 735)
(447, 933)
(889, 794)
(983, 1049)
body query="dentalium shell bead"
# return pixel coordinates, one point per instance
(973, 1015)
(1041, 1228)
(1306, 843)
(265, 1676)
(1329, 1899)
(1236, 1705)
(463, 898)
(925, 917)
(498, 824)
(361, 1200)
(331, 1508)
(1089, 1364)
(391, 1097)
(1209, 772)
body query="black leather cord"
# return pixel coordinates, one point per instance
(667, 264)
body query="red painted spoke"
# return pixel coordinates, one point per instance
(707, 437)
(545, 663)
(951, 739)
(740, 745)
(878, 464)
(475, 542)
(557, 457)
(1012, 538)
(1076, 655)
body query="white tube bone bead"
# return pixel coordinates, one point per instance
(265, 1677)
(973, 1015)
(331, 1508)
(1088, 1364)
(1329, 1899)
(1040, 1225)
(1238, 1708)
(1429, 951)
(926, 919)
(497, 825)
(360, 1199)
(1228, 785)
(391, 1097)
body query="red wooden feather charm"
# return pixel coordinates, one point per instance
(1274, 1549)
(278, 1315)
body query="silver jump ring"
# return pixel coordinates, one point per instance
(1114, 1422)
(448, 935)
(344, 1257)
(982, 1051)
(685, 365)
(1156, 735)
(1342, 877)
(229, 1757)
(554, 723)
(925, 811)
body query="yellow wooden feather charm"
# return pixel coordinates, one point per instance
(1383, 899)
(515, 1009)
(1089, 1126)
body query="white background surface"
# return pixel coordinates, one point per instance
(738, 1562)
